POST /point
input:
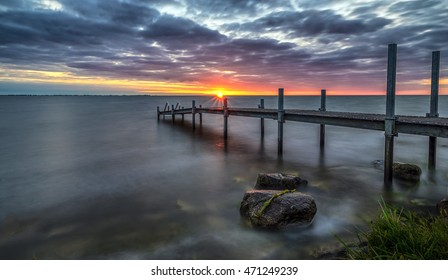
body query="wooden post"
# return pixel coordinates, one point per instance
(434, 108)
(226, 116)
(158, 113)
(164, 109)
(193, 114)
(172, 113)
(323, 97)
(200, 116)
(262, 119)
(389, 123)
(280, 120)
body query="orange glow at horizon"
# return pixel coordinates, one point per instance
(68, 79)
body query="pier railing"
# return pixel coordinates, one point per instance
(430, 125)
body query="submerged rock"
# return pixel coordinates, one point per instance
(407, 171)
(279, 181)
(442, 207)
(285, 208)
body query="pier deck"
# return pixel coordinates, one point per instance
(419, 125)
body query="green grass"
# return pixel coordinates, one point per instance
(402, 234)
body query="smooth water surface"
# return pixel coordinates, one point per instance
(101, 178)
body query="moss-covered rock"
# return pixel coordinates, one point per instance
(407, 172)
(279, 181)
(284, 208)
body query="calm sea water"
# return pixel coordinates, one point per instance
(101, 178)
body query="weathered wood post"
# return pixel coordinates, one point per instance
(261, 106)
(434, 107)
(158, 113)
(172, 113)
(389, 123)
(226, 116)
(280, 120)
(200, 116)
(193, 114)
(183, 114)
(323, 108)
(165, 108)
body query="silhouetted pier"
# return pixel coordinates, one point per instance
(430, 125)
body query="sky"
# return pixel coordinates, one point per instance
(205, 46)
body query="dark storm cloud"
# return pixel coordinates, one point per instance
(44, 27)
(13, 3)
(311, 23)
(232, 8)
(113, 11)
(180, 33)
(412, 6)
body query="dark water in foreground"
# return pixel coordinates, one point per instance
(100, 178)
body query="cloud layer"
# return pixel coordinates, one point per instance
(253, 46)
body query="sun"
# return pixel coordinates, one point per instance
(219, 94)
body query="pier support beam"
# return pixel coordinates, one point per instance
(390, 119)
(434, 107)
(193, 114)
(172, 113)
(226, 117)
(261, 106)
(281, 120)
(323, 97)
(200, 116)
(158, 113)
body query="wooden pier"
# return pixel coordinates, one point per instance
(430, 125)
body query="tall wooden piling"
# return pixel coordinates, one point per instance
(281, 120)
(193, 114)
(389, 125)
(158, 113)
(173, 116)
(226, 116)
(200, 116)
(434, 107)
(323, 108)
(261, 106)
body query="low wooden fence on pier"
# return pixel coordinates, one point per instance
(430, 125)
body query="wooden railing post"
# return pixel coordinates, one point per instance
(261, 106)
(280, 120)
(193, 114)
(434, 107)
(389, 123)
(165, 108)
(226, 116)
(323, 97)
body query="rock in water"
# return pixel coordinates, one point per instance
(279, 181)
(442, 207)
(407, 172)
(286, 209)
